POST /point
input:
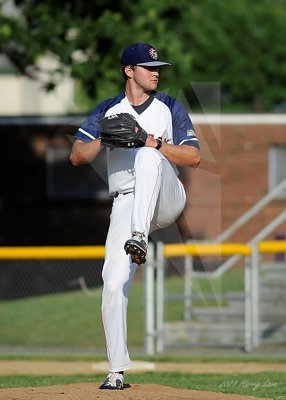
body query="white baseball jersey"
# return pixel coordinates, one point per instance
(164, 117)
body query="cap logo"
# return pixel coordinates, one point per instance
(153, 54)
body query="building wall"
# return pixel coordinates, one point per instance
(24, 96)
(233, 175)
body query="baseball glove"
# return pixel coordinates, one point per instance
(122, 130)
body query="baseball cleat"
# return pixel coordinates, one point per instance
(113, 381)
(137, 248)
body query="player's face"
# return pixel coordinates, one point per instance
(146, 77)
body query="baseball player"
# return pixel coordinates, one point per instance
(147, 193)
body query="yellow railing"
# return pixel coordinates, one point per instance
(278, 246)
(52, 252)
(206, 249)
(222, 249)
(170, 250)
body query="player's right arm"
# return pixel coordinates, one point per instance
(87, 144)
(84, 152)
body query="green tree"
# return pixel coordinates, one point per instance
(241, 45)
(238, 44)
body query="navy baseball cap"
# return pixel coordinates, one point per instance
(141, 54)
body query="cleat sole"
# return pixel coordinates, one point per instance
(138, 255)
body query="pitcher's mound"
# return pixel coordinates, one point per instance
(90, 391)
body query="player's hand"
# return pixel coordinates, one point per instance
(151, 141)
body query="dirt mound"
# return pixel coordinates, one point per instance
(90, 391)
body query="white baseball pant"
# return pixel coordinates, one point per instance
(157, 201)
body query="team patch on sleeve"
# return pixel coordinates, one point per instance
(190, 139)
(190, 132)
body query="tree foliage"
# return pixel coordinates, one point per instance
(238, 44)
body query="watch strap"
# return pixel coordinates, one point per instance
(159, 143)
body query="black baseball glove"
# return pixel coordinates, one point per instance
(122, 130)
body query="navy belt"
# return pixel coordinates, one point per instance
(116, 194)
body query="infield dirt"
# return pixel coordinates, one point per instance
(90, 391)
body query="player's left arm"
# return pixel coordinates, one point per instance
(183, 155)
(185, 149)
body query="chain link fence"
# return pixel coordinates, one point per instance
(29, 278)
(53, 305)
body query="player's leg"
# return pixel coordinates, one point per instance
(159, 198)
(171, 200)
(117, 277)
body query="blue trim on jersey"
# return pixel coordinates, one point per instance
(90, 128)
(183, 130)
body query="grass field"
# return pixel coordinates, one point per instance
(271, 384)
(74, 318)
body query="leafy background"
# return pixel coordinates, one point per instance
(239, 44)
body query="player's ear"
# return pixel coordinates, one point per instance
(128, 71)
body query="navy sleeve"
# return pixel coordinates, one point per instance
(183, 130)
(90, 128)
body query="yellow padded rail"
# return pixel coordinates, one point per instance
(52, 252)
(169, 250)
(275, 246)
(206, 249)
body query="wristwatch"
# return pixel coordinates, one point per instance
(159, 143)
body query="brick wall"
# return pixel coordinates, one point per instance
(232, 177)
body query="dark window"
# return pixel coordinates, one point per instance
(64, 181)
(277, 168)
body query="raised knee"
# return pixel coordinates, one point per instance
(148, 154)
(146, 150)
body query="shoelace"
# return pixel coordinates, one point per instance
(112, 377)
(138, 234)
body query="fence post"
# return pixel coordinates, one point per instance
(149, 301)
(160, 297)
(247, 305)
(255, 293)
(188, 287)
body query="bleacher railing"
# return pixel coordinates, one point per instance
(250, 254)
